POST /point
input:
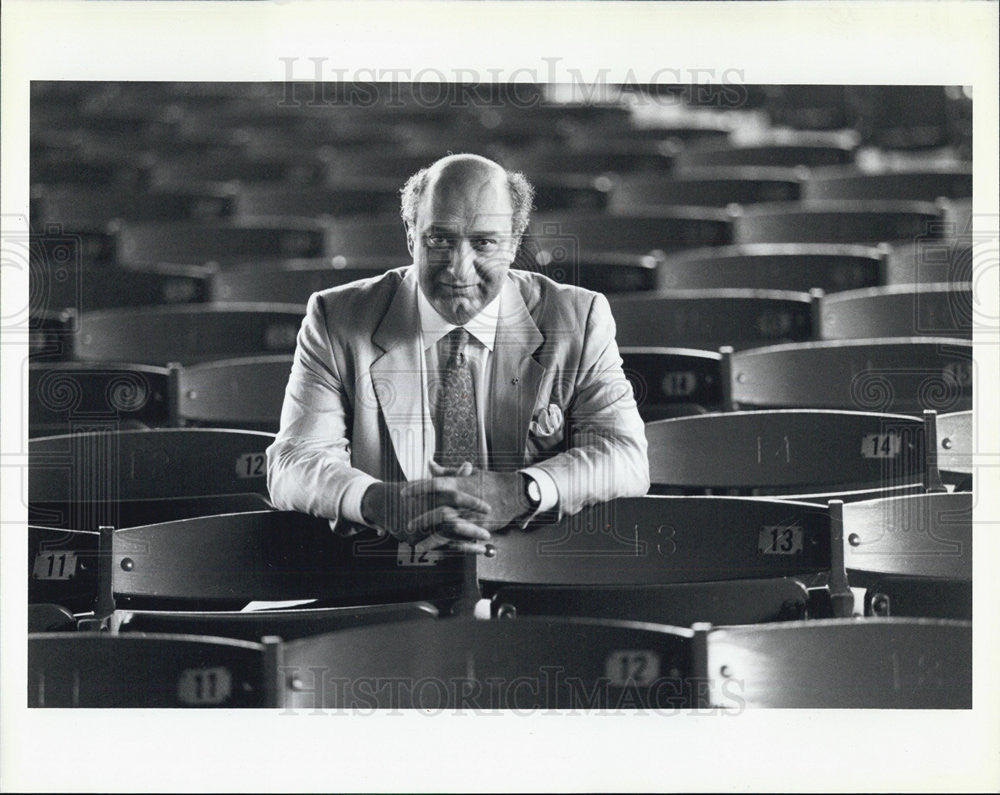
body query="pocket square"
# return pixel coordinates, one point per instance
(547, 421)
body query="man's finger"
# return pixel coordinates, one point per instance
(439, 470)
(433, 541)
(446, 521)
(448, 489)
(468, 546)
(418, 488)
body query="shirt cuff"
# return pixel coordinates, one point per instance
(547, 487)
(350, 506)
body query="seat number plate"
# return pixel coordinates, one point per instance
(205, 686)
(251, 465)
(780, 540)
(408, 555)
(632, 667)
(54, 565)
(880, 445)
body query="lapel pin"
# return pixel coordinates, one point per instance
(515, 380)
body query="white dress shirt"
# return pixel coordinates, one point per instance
(482, 337)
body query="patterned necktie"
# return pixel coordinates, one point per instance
(456, 424)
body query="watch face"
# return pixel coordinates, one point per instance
(534, 492)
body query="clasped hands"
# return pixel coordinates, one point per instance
(454, 507)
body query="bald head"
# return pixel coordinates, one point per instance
(464, 216)
(471, 168)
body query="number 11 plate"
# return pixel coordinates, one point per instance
(54, 566)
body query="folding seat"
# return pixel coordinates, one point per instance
(52, 247)
(774, 266)
(358, 197)
(62, 575)
(593, 160)
(706, 187)
(84, 206)
(89, 287)
(199, 170)
(223, 562)
(65, 396)
(682, 132)
(464, 664)
(901, 117)
(815, 455)
(673, 382)
(903, 376)
(111, 170)
(572, 192)
(837, 222)
(293, 281)
(122, 478)
(381, 236)
(94, 669)
(671, 560)
(910, 184)
(233, 393)
(912, 554)
(933, 310)
(197, 243)
(708, 319)
(933, 258)
(50, 334)
(191, 577)
(781, 155)
(894, 663)
(603, 272)
(391, 165)
(808, 107)
(187, 333)
(668, 229)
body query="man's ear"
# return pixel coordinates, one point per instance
(409, 239)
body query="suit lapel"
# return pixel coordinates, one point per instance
(516, 379)
(397, 380)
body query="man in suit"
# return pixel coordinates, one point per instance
(443, 400)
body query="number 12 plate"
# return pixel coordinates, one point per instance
(407, 555)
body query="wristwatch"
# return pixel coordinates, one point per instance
(532, 492)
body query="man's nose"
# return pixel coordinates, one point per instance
(462, 258)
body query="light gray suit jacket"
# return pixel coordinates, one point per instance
(354, 405)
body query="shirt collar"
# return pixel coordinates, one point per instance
(433, 327)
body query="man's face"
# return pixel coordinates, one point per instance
(462, 243)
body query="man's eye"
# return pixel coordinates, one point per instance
(484, 243)
(437, 241)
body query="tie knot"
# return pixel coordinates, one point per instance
(458, 338)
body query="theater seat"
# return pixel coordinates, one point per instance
(82, 481)
(839, 664)
(670, 560)
(187, 333)
(67, 396)
(900, 375)
(92, 669)
(233, 393)
(790, 452)
(293, 281)
(774, 266)
(464, 664)
(932, 310)
(711, 318)
(854, 222)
